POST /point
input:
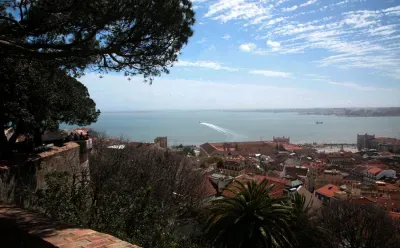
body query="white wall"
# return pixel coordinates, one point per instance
(386, 173)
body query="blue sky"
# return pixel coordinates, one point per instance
(274, 54)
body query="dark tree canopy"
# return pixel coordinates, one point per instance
(47, 40)
(38, 97)
(133, 36)
(354, 225)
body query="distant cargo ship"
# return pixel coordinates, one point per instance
(319, 122)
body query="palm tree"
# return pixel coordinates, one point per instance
(250, 219)
(301, 226)
(300, 208)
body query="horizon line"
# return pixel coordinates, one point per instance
(246, 109)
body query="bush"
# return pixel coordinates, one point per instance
(141, 196)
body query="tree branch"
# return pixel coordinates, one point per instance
(11, 20)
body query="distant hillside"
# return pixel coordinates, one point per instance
(353, 112)
(349, 112)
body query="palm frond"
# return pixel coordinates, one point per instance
(251, 218)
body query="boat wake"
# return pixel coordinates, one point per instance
(221, 130)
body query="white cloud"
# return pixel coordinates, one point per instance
(204, 64)
(383, 30)
(226, 10)
(279, 2)
(273, 44)
(260, 19)
(359, 87)
(351, 85)
(247, 47)
(361, 20)
(177, 93)
(271, 73)
(344, 37)
(385, 63)
(226, 37)
(294, 7)
(277, 20)
(203, 40)
(308, 3)
(317, 77)
(347, 35)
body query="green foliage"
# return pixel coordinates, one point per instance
(140, 214)
(220, 163)
(250, 219)
(65, 198)
(300, 208)
(304, 230)
(215, 159)
(205, 162)
(130, 194)
(188, 150)
(134, 36)
(43, 40)
(354, 225)
(38, 97)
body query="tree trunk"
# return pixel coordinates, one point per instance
(3, 142)
(4, 149)
(37, 137)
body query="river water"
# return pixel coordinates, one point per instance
(185, 127)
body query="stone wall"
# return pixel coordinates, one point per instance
(23, 228)
(28, 172)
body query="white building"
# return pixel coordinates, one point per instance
(375, 173)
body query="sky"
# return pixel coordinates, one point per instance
(263, 54)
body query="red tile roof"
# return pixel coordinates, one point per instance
(208, 188)
(386, 140)
(328, 190)
(385, 154)
(277, 191)
(55, 149)
(394, 215)
(208, 148)
(374, 171)
(318, 165)
(387, 204)
(246, 147)
(363, 200)
(386, 201)
(388, 187)
(249, 170)
(376, 164)
(360, 168)
(291, 147)
(272, 179)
